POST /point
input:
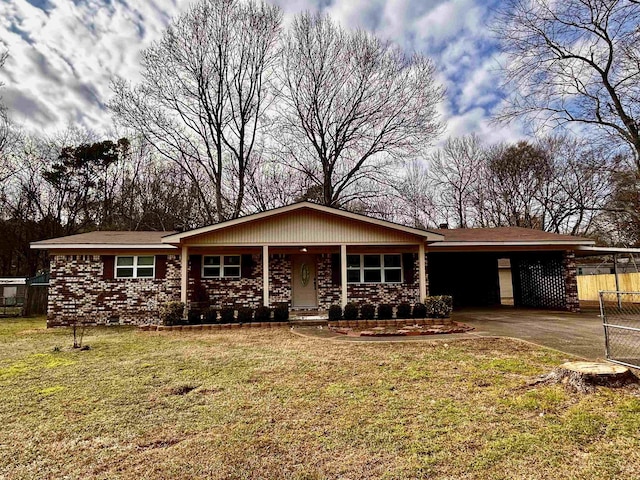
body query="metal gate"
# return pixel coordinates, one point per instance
(620, 313)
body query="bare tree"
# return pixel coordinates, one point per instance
(455, 172)
(577, 188)
(351, 105)
(202, 99)
(4, 119)
(7, 135)
(415, 196)
(574, 62)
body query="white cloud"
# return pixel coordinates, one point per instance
(62, 60)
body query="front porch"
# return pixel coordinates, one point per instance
(305, 279)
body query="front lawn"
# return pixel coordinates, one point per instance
(269, 404)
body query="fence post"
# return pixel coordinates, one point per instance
(604, 324)
(615, 274)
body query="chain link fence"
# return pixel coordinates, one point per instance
(620, 313)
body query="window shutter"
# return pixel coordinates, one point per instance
(246, 266)
(408, 265)
(108, 266)
(161, 266)
(336, 269)
(195, 267)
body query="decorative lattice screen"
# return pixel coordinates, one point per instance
(539, 281)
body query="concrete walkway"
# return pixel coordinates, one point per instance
(579, 334)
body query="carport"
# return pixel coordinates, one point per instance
(542, 267)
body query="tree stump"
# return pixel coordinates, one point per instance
(584, 377)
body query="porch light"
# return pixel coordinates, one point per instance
(303, 249)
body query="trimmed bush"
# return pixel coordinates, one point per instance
(194, 316)
(419, 310)
(403, 311)
(385, 311)
(439, 306)
(245, 315)
(368, 311)
(171, 313)
(350, 311)
(335, 312)
(210, 315)
(227, 315)
(281, 313)
(200, 295)
(263, 314)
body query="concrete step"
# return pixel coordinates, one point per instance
(308, 318)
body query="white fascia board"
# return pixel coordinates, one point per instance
(177, 237)
(101, 246)
(606, 250)
(568, 243)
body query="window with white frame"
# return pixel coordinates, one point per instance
(221, 266)
(135, 266)
(378, 268)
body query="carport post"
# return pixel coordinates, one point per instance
(615, 274)
(265, 275)
(184, 273)
(422, 277)
(343, 275)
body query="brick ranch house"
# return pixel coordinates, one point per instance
(307, 256)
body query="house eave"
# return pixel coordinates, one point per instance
(526, 243)
(101, 246)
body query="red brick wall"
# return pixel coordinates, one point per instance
(77, 291)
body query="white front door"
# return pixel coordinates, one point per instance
(303, 281)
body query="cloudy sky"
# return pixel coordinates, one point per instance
(63, 53)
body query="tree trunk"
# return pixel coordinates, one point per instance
(584, 377)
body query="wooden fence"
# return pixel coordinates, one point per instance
(590, 285)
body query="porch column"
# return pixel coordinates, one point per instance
(265, 275)
(184, 274)
(422, 277)
(343, 275)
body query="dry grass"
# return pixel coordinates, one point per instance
(269, 404)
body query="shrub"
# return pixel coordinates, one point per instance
(335, 312)
(368, 311)
(281, 313)
(419, 310)
(403, 311)
(171, 313)
(194, 316)
(350, 311)
(263, 314)
(245, 315)
(385, 311)
(439, 306)
(210, 315)
(200, 295)
(227, 315)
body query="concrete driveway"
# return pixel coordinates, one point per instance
(576, 333)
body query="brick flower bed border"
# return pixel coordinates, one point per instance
(403, 329)
(216, 326)
(394, 323)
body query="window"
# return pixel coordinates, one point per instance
(221, 266)
(374, 268)
(135, 266)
